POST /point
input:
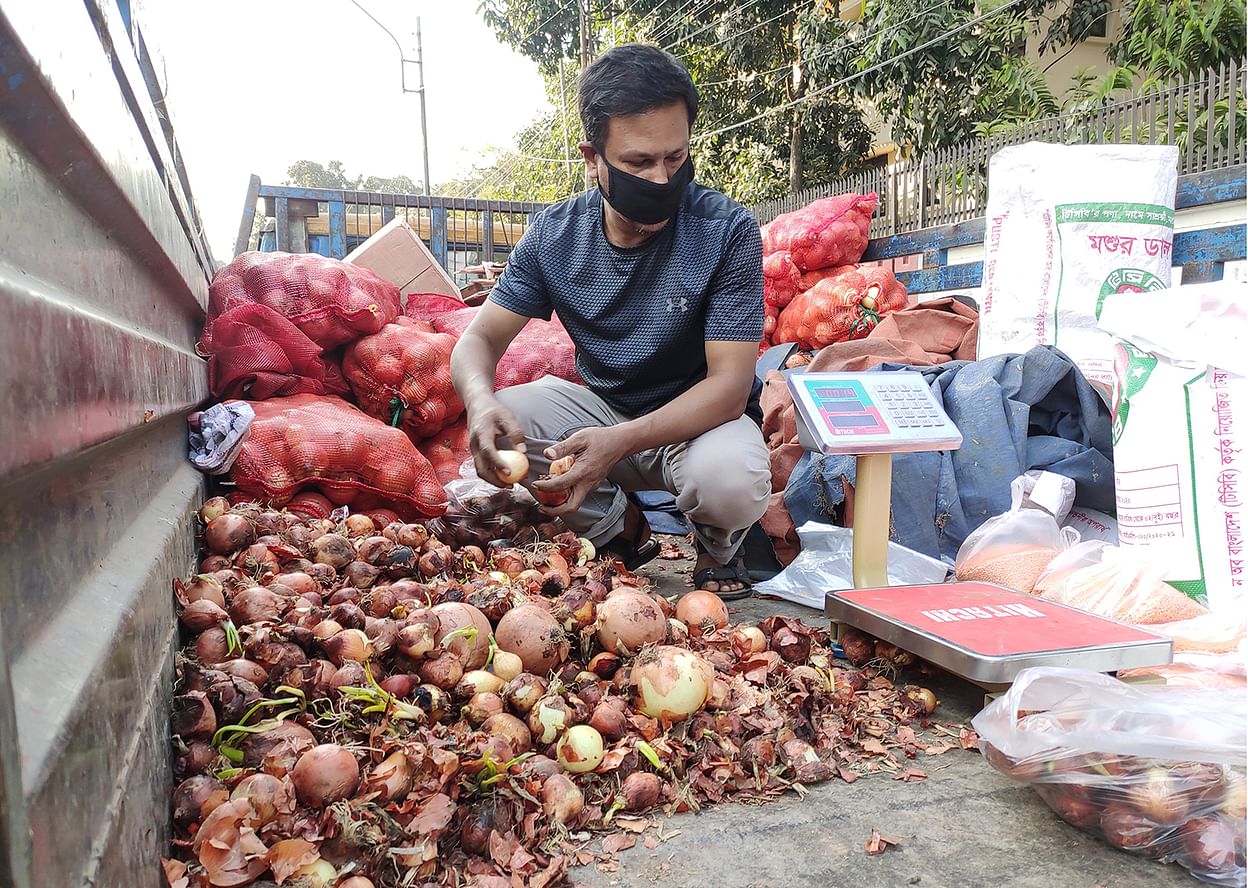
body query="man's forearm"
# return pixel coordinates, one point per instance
(473, 366)
(710, 403)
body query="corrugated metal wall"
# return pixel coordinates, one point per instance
(101, 300)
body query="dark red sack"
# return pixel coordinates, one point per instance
(332, 302)
(447, 450)
(255, 353)
(402, 376)
(323, 442)
(823, 234)
(542, 348)
(833, 310)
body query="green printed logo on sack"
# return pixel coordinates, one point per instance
(1133, 367)
(1128, 280)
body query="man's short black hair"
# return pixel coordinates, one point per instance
(631, 79)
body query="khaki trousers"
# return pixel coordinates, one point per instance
(721, 479)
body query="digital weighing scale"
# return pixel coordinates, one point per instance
(982, 632)
(870, 416)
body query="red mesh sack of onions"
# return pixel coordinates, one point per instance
(781, 279)
(542, 348)
(823, 234)
(332, 302)
(1154, 770)
(349, 457)
(844, 305)
(447, 450)
(424, 306)
(254, 352)
(402, 375)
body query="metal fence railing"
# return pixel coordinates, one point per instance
(1204, 115)
(460, 232)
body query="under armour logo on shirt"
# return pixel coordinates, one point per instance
(671, 304)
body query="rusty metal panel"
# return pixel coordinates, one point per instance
(103, 280)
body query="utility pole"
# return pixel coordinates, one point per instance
(581, 6)
(404, 61)
(424, 127)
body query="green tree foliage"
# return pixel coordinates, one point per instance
(310, 174)
(805, 88)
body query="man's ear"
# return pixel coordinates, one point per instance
(591, 161)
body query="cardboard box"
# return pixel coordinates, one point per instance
(397, 254)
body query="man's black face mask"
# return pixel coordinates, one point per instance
(643, 201)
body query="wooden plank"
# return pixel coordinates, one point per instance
(282, 216)
(1209, 245)
(243, 239)
(945, 277)
(338, 229)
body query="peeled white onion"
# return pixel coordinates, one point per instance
(580, 749)
(671, 683)
(514, 466)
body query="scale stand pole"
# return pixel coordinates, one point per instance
(873, 498)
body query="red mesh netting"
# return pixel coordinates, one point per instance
(423, 306)
(330, 301)
(823, 234)
(833, 310)
(542, 348)
(781, 279)
(351, 458)
(253, 352)
(447, 450)
(406, 369)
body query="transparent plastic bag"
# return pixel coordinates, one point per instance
(1123, 584)
(825, 564)
(1048, 491)
(478, 513)
(1013, 549)
(1154, 770)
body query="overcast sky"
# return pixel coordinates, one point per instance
(254, 85)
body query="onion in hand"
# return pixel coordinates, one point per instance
(513, 466)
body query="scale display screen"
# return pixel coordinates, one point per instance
(870, 413)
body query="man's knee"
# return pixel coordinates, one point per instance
(729, 488)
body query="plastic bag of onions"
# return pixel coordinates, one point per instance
(1155, 770)
(479, 513)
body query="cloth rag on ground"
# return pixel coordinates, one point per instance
(217, 434)
(1016, 413)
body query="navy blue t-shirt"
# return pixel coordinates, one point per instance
(639, 317)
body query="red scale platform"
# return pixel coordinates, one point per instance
(987, 633)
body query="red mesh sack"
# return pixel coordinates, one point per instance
(402, 376)
(842, 306)
(424, 306)
(253, 352)
(781, 279)
(823, 234)
(310, 504)
(349, 457)
(542, 348)
(447, 451)
(771, 317)
(332, 302)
